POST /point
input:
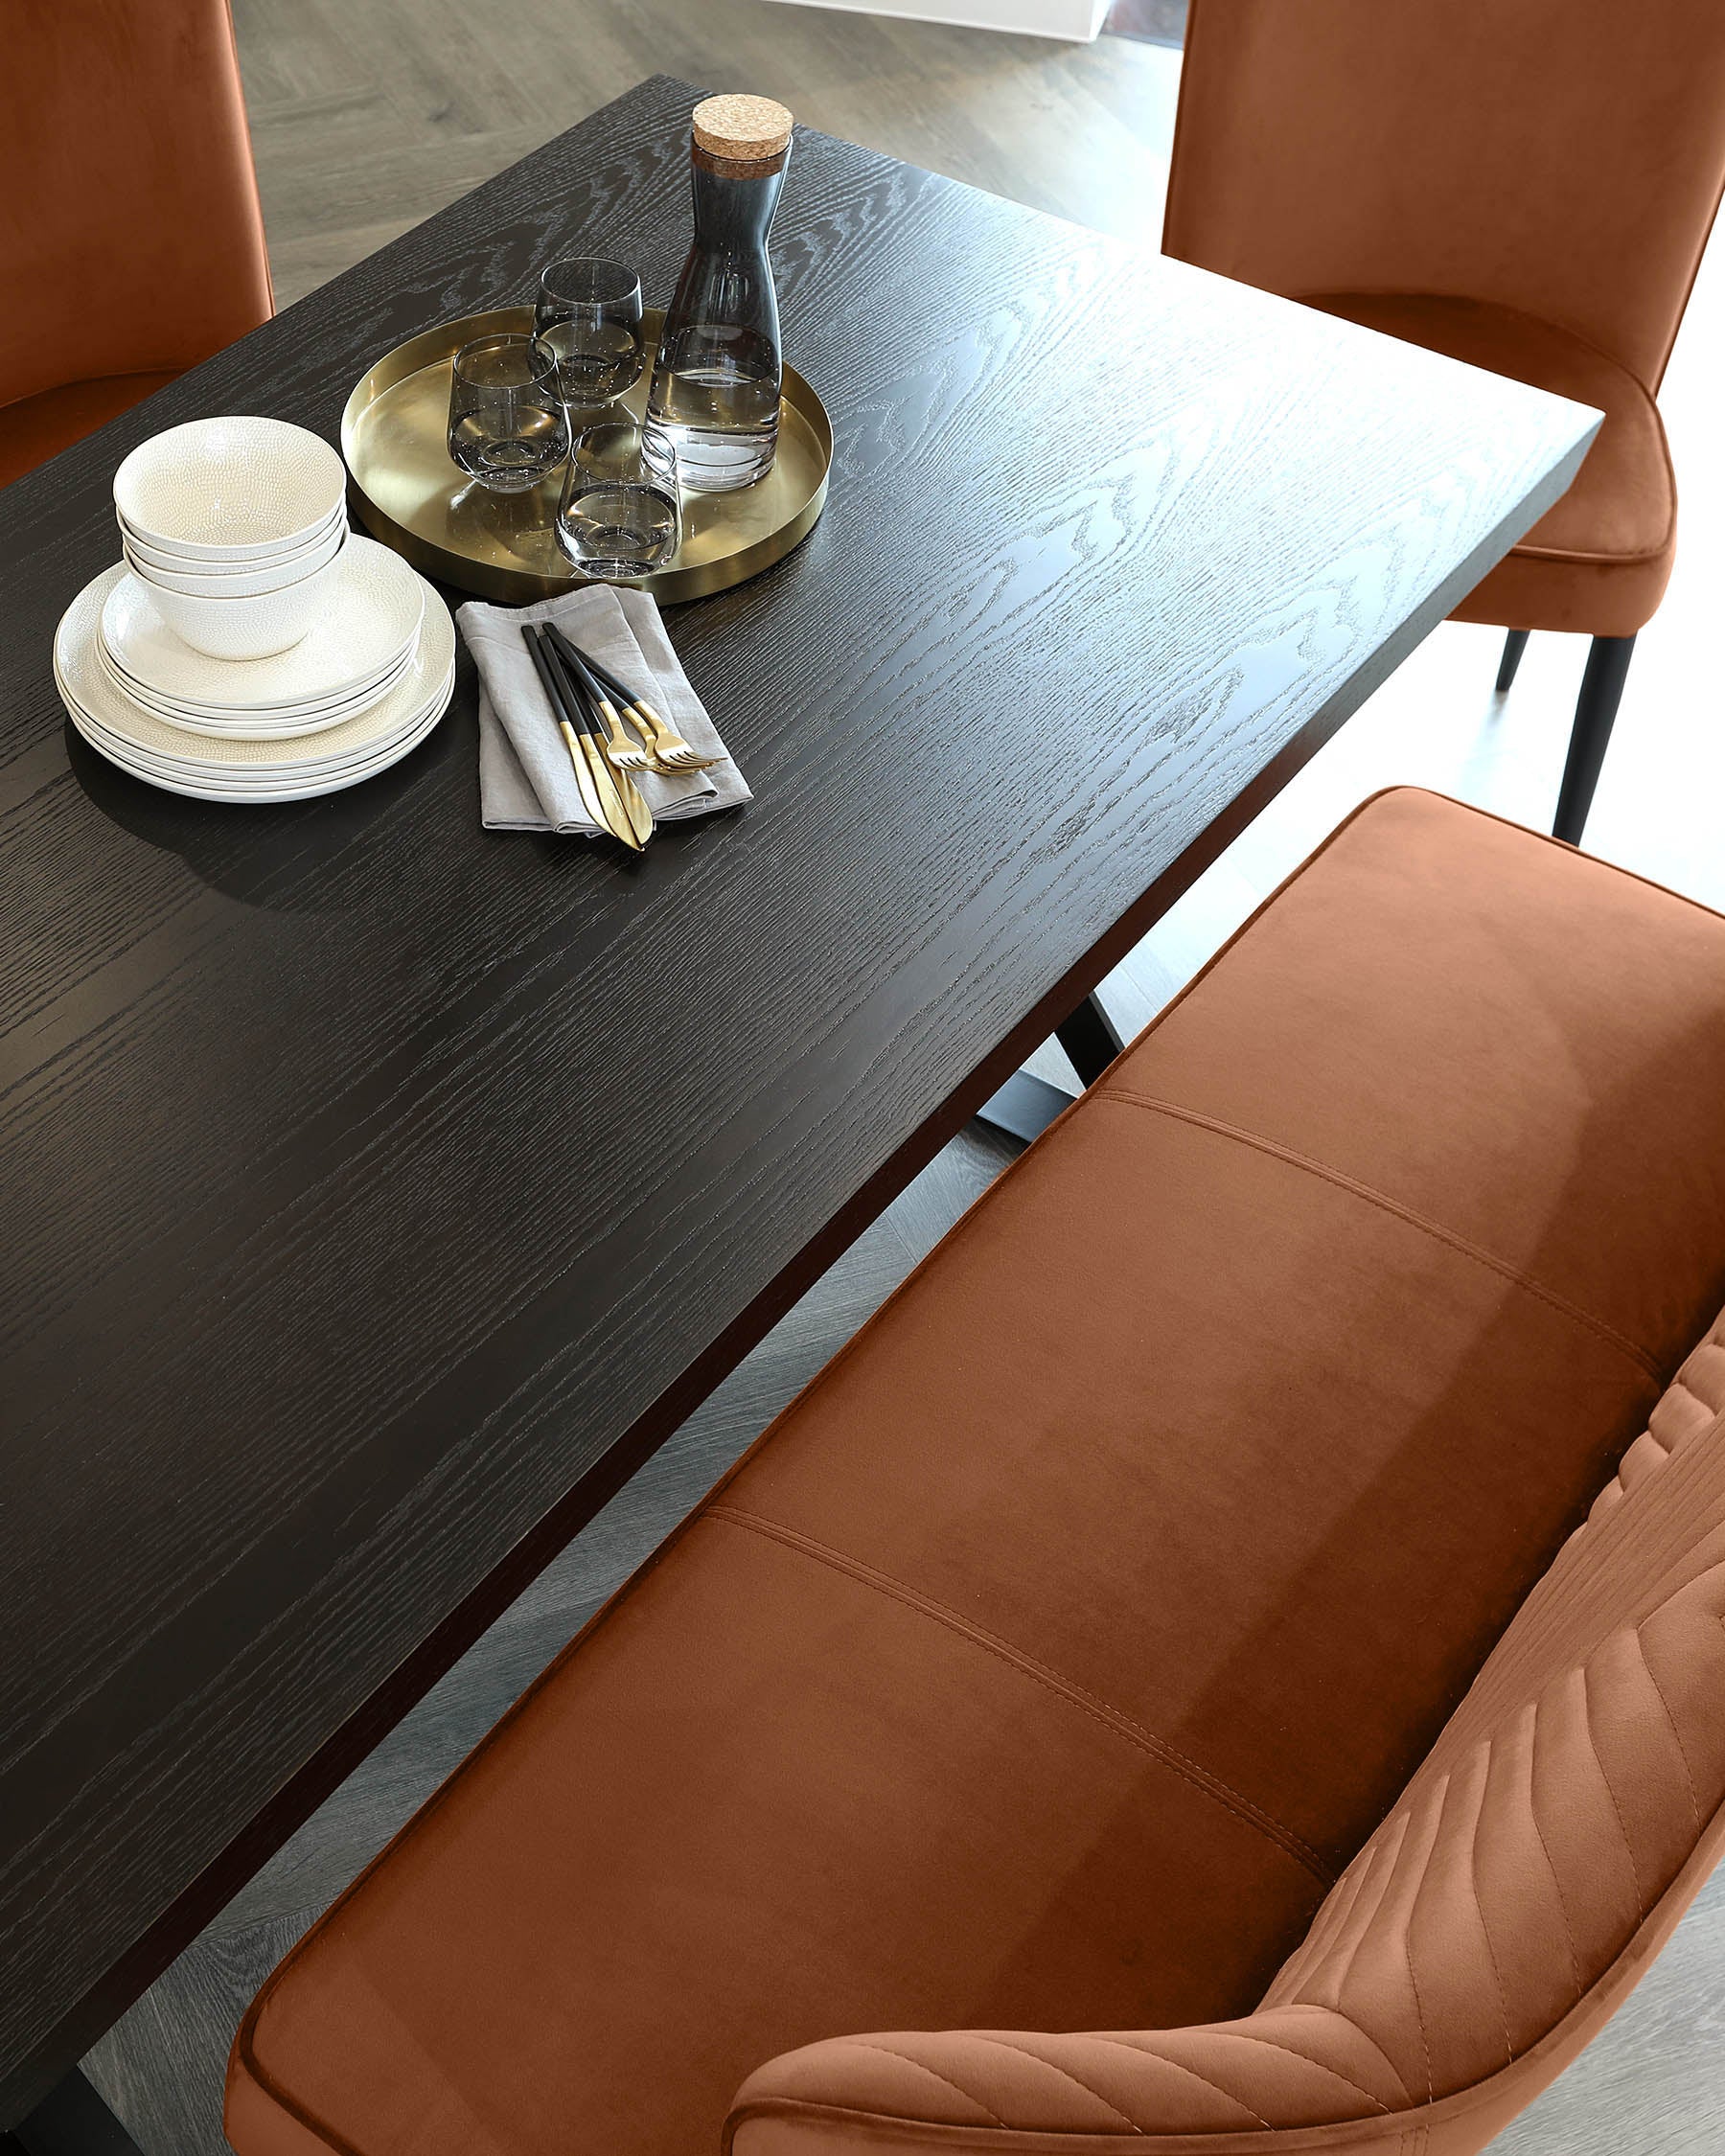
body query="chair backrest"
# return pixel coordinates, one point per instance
(130, 236)
(1564, 157)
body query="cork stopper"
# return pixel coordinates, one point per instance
(741, 130)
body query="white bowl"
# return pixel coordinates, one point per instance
(227, 490)
(200, 566)
(167, 556)
(238, 582)
(247, 628)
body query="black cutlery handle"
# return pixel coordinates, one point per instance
(542, 666)
(601, 681)
(565, 692)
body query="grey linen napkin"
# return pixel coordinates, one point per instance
(526, 781)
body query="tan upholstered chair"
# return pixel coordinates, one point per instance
(1523, 184)
(132, 244)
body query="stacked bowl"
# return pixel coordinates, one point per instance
(247, 648)
(236, 526)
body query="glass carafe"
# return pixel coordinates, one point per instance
(715, 393)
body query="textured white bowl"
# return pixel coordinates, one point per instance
(228, 489)
(247, 628)
(200, 566)
(237, 581)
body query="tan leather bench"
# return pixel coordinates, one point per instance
(1221, 1601)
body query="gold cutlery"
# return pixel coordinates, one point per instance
(666, 748)
(622, 750)
(583, 776)
(621, 744)
(617, 792)
(633, 801)
(594, 779)
(633, 752)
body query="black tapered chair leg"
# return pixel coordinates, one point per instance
(1596, 708)
(1514, 645)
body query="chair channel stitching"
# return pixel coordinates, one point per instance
(1329, 1929)
(1545, 1850)
(1191, 2074)
(1665, 1706)
(1099, 1709)
(1407, 1938)
(1292, 2051)
(1018, 2051)
(1479, 1900)
(904, 2058)
(1640, 1899)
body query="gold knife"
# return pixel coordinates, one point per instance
(607, 737)
(633, 800)
(617, 817)
(614, 743)
(583, 776)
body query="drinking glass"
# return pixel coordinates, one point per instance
(507, 423)
(620, 514)
(588, 315)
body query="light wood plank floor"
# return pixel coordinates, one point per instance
(370, 114)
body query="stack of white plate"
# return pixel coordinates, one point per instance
(364, 686)
(248, 648)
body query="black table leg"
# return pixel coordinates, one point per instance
(1025, 1106)
(1090, 1040)
(72, 2120)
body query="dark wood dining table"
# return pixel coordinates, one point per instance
(377, 1192)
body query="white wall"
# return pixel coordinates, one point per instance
(1079, 19)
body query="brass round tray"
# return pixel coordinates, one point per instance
(413, 498)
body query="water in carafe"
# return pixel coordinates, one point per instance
(715, 390)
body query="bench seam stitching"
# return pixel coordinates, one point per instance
(1342, 1181)
(1099, 1709)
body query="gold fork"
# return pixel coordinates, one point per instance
(665, 750)
(622, 751)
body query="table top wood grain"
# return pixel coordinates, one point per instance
(377, 1192)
